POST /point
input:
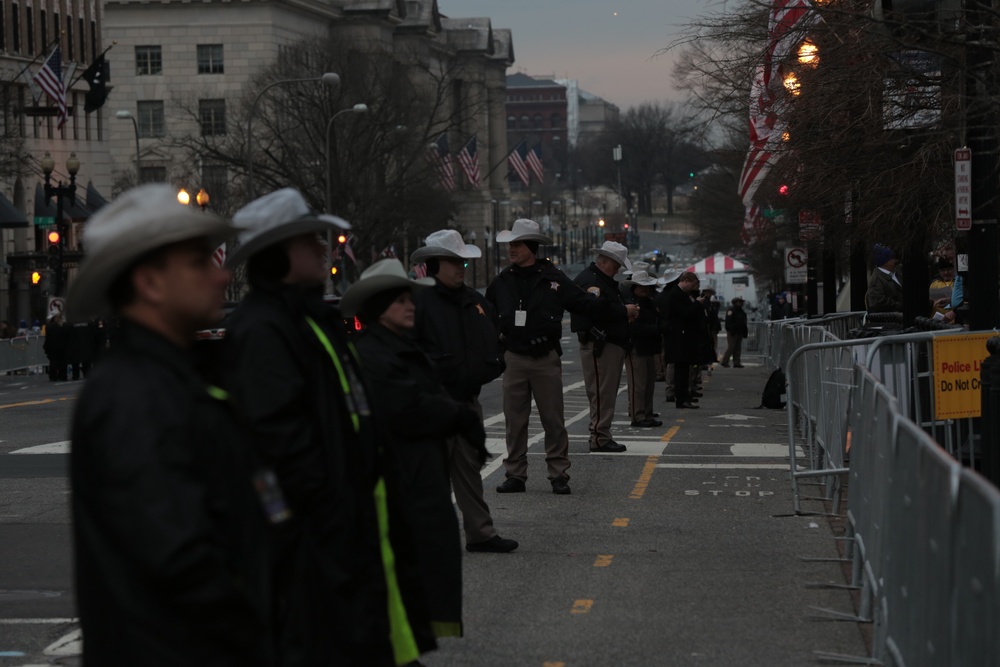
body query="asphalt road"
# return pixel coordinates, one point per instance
(679, 552)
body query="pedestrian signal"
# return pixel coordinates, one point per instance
(333, 270)
(36, 277)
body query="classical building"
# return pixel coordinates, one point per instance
(29, 32)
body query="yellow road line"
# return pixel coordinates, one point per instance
(581, 606)
(41, 402)
(620, 523)
(647, 470)
(603, 560)
(553, 664)
(670, 434)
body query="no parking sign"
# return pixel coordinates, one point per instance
(796, 270)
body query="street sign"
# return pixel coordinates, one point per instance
(810, 226)
(796, 270)
(963, 189)
(956, 375)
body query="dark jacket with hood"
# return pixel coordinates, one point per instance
(312, 424)
(171, 540)
(420, 415)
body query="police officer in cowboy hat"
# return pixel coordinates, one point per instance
(604, 341)
(295, 377)
(529, 297)
(456, 327)
(170, 538)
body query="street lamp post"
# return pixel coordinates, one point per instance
(358, 109)
(59, 191)
(329, 78)
(123, 115)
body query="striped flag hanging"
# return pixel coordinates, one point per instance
(219, 255)
(468, 159)
(516, 160)
(440, 158)
(49, 79)
(535, 162)
(752, 223)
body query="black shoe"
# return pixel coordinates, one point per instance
(688, 405)
(494, 545)
(670, 399)
(560, 487)
(655, 415)
(696, 394)
(511, 485)
(647, 423)
(724, 364)
(610, 447)
(737, 365)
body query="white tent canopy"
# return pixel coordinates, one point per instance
(717, 263)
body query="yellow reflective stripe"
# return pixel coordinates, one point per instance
(217, 393)
(446, 628)
(344, 384)
(404, 645)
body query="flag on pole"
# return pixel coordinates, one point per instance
(535, 162)
(752, 223)
(219, 255)
(349, 251)
(440, 158)
(97, 76)
(516, 160)
(49, 79)
(468, 159)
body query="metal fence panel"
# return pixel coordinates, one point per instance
(22, 353)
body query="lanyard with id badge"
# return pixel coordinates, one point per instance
(520, 315)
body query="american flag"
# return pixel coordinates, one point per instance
(420, 270)
(516, 160)
(535, 162)
(752, 224)
(440, 158)
(49, 79)
(388, 252)
(468, 159)
(219, 255)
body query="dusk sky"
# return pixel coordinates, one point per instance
(607, 46)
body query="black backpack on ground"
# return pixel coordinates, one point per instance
(774, 391)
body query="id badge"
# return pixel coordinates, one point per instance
(520, 318)
(271, 497)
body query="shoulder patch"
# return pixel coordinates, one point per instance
(554, 285)
(596, 291)
(728, 313)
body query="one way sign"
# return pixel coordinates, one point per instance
(963, 189)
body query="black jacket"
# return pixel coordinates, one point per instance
(644, 330)
(420, 415)
(457, 328)
(544, 292)
(684, 326)
(327, 451)
(736, 321)
(614, 320)
(171, 541)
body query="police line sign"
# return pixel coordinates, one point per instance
(957, 372)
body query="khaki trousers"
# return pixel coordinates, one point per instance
(734, 348)
(467, 484)
(539, 377)
(640, 373)
(601, 375)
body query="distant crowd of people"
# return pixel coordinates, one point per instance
(291, 503)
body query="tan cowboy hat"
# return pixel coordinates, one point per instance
(139, 221)
(276, 217)
(640, 278)
(617, 252)
(445, 243)
(523, 230)
(382, 275)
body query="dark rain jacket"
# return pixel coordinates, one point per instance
(684, 326)
(330, 568)
(420, 415)
(644, 329)
(613, 321)
(736, 321)
(457, 329)
(544, 292)
(171, 541)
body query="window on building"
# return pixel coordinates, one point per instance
(538, 120)
(153, 175)
(210, 59)
(212, 115)
(83, 42)
(215, 180)
(148, 60)
(525, 121)
(30, 25)
(3, 25)
(150, 119)
(44, 25)
(511, 122)
(15, 25)
(69, 36)
(555, 120)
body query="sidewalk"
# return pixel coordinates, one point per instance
(682, 551)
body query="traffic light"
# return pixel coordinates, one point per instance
(341, 239)
(783, 190)
(626, 225)
(54, 239)
(36, 277)
(334, 270)
(690, 174)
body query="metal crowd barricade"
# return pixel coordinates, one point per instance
(21, 353)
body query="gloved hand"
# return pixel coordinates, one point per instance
(469, 425)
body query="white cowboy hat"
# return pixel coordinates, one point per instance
(636, 266)
(617, 252)
(135, 223)
(276, 217)
(523, 230)
(641, 278)
(382, 275)
(445, 243)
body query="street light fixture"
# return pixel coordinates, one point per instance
(202, 198)
(123, 115)
(59, 191)
(331, 79)
(183, 196)
(359, 108)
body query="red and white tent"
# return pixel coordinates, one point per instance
(717, 263)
